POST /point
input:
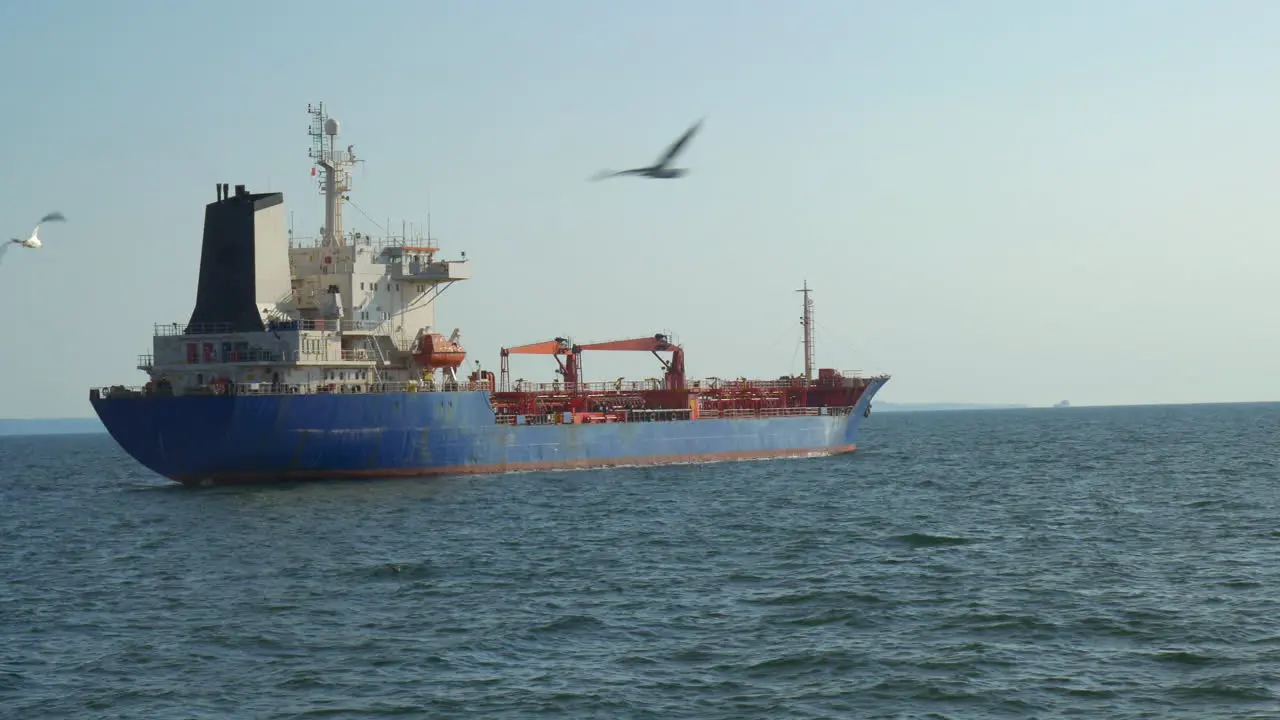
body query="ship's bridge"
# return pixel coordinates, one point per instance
(440, 271)
(418, 263)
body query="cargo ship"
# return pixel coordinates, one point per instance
(310, 358)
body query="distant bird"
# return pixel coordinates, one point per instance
(34, 241)
(660, 170)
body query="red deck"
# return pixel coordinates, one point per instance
(671, 398)
(632, 402)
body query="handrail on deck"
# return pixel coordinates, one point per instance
(314, 388)
(503, 416)
(173, 329)
(693, 386)
(223, 328)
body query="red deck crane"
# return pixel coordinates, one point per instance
(569, 367)
(674, 369)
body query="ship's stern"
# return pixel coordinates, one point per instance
(176, 437)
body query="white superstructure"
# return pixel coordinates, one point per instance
(340, 311)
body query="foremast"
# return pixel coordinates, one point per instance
(806, 320)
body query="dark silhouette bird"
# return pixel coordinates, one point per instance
(662, 169)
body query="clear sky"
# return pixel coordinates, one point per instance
(995, 201)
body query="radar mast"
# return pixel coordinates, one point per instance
(336, 181)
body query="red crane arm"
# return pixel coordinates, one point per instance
(550, 347)
(656, 343)
(569, 367)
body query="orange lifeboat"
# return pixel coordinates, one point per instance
(435, 351)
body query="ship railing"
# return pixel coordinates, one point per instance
(744, 384)
(424, 271)
(759, 412)
(313, 242)
(347, 325)
(221, 356)
(540, 416)
(375, 243)
(695, 386)
(790, 412)
(335, 157)
(863, 374)
(732, 413)
(172, 329)
(796, 383)
(360, 325)
(338, 387)
(582, 387)
(222, 328)
(403, 243)
(315, 388)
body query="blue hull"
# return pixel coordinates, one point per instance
(210, 439)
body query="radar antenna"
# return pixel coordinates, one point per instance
(335, 181)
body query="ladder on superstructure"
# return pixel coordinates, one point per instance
(317, 132)
(377, 350)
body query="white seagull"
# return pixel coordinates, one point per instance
(660, 170)
(34, 241)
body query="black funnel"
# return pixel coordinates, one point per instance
(226, 299)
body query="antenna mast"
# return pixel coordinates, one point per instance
(333, 165)
(806, 321)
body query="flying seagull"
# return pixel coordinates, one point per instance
(662, 169)
(34, 241)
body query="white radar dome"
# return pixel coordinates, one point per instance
(330, 127)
